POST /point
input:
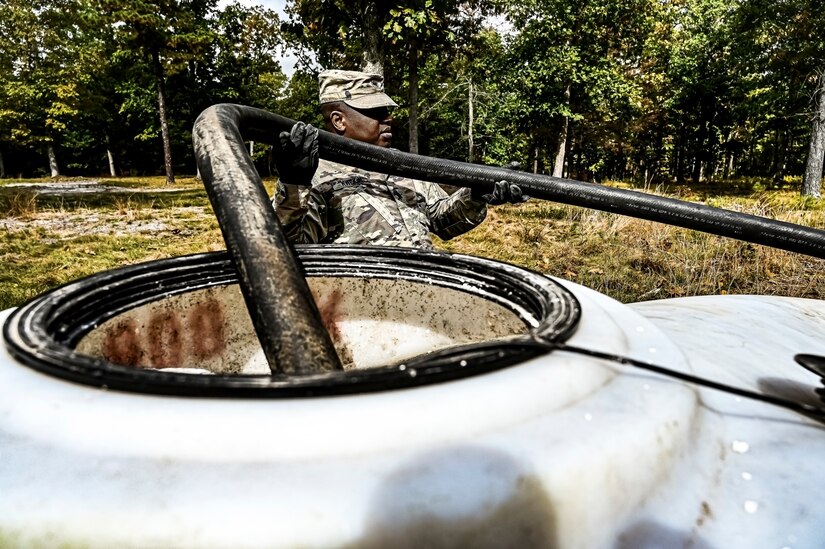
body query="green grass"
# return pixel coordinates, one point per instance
(48, 240)
(53, 239)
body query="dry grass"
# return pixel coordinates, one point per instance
(22, 204)
(47, 240)
(635, 260)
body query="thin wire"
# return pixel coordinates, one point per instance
(777, 401)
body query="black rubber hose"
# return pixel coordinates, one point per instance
(718, 221)
(750, 228)
(225, 164)
(283, 312)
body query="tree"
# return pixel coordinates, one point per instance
(812, 180)
(701, 79)
(246, 68)
(170, 34)
(344, 34)
(791, 53)
(418, 29)
(572, 59)
(464, 114)
(42, 86)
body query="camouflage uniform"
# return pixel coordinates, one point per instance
(347, 205)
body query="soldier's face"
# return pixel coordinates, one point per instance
(370, 126)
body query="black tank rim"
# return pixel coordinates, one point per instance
(42, 333)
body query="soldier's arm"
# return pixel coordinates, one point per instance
(302, 212)
(455, 214)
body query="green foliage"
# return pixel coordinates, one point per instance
(335, 33)
(300, 100)
(445, 97)
(246, 44)
(576, 61)
(659, 92)
(39, 96)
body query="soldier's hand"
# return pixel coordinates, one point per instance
(504, 192)
(298, 158)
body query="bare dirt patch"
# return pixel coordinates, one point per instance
(69, 224)
(90, 186)
(99, 209)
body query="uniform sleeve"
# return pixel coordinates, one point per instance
(302, 212)
(452, 215)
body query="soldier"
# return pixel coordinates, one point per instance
(344, 205)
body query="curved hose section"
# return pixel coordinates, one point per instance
(278, 299)
(257, 245)
(750, 228)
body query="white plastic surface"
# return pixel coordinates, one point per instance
(563, 451)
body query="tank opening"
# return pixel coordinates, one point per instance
(398, 318)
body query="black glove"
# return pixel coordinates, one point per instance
(504, 192)
(298, 158)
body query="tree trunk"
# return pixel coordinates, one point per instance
(781, 155)
(578, 157)
(372, 58)
(699, 155)
(164, 124)
(658, 154)
(413, 96)
(2, 167)
(728, 164)
(55, 169)
(112, 167)
(811, 182)
(558, 164)
(471, 153)
(110, 155)
(774, 150)
(711, 149)
(680, 157)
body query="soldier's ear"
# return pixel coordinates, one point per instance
(338, 120)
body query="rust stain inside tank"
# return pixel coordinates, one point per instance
(330, 309)
(168, 338)
(122, 345)
(207, 321)
(164, 339)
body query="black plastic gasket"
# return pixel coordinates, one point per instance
(43, 333)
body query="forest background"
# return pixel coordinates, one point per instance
(645, 90)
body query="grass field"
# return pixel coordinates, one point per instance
(49, 238)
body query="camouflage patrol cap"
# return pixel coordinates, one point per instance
(361, 90)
